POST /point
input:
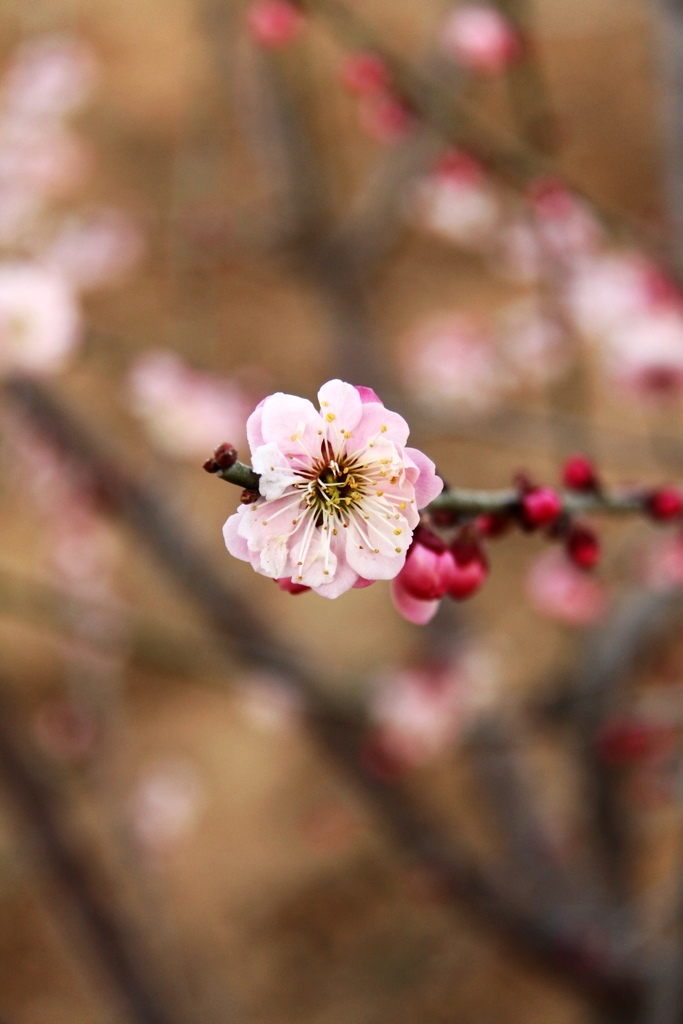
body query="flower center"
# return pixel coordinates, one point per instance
(335, 489)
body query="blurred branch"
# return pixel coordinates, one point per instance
(618, 651)
(564, 952)
(668, 16)
(529, 93)
(109, 937)
(148, 644)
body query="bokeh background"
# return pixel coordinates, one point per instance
(267, 229)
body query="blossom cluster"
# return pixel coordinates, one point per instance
(51, 254)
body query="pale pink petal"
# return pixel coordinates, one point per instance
(344, 578)
(234, 542)
(340, 404)
(428, 485)
(418, 612)
(255, 427)
(381, 423)
(290, 421)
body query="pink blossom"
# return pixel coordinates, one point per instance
(50, 76)
(661, 563)
(481, 38)
(457, 202)
(166, 804)
(420, 712)
(609, 291)
(185, 411)
(451, 366)
(95, 251)
(558, 589)
(645, 355)
(339, 490)
(568, 229)
(385, 118)
(40, 322)
(534, 346)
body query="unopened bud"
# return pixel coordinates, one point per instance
(225, 455)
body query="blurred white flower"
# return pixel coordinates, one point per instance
(186, 412)
(450, 366)
(40, 323)
(50, 76)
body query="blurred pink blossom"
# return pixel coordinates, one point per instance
(661, 563)
(457, 202)
(165, 804)
(644, 356)
(567, 228)
(40, 323)
(451, 366)
(479, 37)
(96, 250)
(270, 704)
(559, 590)
(66, 731)
(609, 291)
(385, 119)
(534, 346)
(420, 712)
(186, 412)
(50, 76)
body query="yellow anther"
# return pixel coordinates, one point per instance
(402, 505)
(397, 532)
(397, 550)
(330, 416)
(379, 493)
(384, 429)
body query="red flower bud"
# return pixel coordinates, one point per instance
(622, 741)
(470, 568)
(428, 571)
(664, 503)
(540, 507)
(274, 23)
(583, 546)
(578, 474)
(225, 455)
(364, 73)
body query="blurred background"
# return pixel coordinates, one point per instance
(220, 802)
